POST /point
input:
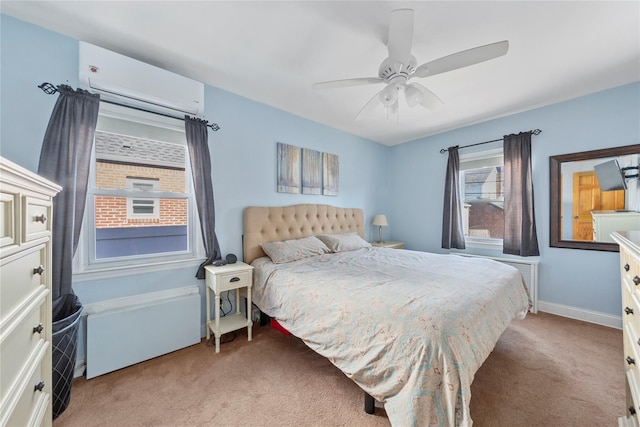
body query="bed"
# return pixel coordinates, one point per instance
(410, 328)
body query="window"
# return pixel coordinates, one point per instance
(140, 211)
(482, 192)
(140, 207)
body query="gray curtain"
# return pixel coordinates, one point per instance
(197, 141)
(452, 229)
(520, 237)
(65, 159)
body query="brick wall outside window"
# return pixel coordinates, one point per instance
(487, 216)
(111, 212)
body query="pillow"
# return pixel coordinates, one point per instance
(292, 250)
(343, 242)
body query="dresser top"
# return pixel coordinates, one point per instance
(630, 239)
(12, 173)
(612, 212)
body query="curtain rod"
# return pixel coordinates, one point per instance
(444, 150)
(50, 89)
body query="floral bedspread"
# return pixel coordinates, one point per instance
(410, 328)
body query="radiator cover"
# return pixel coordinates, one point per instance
(129, 330)
(528, 269)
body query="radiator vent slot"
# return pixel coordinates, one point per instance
(528, 268)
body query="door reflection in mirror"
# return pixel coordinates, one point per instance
(582, 194)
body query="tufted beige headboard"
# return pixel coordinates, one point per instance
(273, 224)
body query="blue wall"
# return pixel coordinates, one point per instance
(243, 151)
(404, 181)
(586, 281)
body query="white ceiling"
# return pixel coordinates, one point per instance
(272, 52)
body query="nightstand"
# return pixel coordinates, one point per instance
(388, 244)
(226, 278)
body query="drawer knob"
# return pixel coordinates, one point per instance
(628, 310)
(626, 267)
(38, 270)
(632, 410)
(38, 328)
(630, 361)
(39, 386)
(237, 279)
(636, 280)
(40, 218)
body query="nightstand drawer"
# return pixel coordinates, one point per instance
(226, 281)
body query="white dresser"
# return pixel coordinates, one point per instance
(25, 297)
(606, 222)
(629, 242)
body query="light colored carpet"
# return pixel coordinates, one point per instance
(545, 371)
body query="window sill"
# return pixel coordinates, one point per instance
(491, 244)
(106, 272)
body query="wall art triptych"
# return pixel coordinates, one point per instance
(301, 170)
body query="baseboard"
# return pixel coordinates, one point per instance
(581, 314)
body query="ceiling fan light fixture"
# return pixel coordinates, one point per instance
(400, 66)
(389, 95)
(413, 95)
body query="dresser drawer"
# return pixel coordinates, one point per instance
(9, 232)
(631, 350)
(630, 267)
(630, 306)
(633, 395)
(20, 336)
(37, 218)
(18, 279)
(30, 406)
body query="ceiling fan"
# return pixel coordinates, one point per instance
(401, 66)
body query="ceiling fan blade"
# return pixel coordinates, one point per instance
(400, 35)
(462, 59)
(369, 106)
(348, 82)
(429, 99)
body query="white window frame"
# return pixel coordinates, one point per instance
(478, 156)
(132, 202)
(87, 267)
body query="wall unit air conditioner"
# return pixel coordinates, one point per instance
(128, 81)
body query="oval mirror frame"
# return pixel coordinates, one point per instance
(555, 214)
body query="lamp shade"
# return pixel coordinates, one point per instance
(413, 95)
(380, 220)
(388, 95)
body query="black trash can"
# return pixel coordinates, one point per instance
(66, 320)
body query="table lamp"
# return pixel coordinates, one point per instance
(380, 221)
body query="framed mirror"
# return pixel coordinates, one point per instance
(582, 211)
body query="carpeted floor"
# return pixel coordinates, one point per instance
(545, 371)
